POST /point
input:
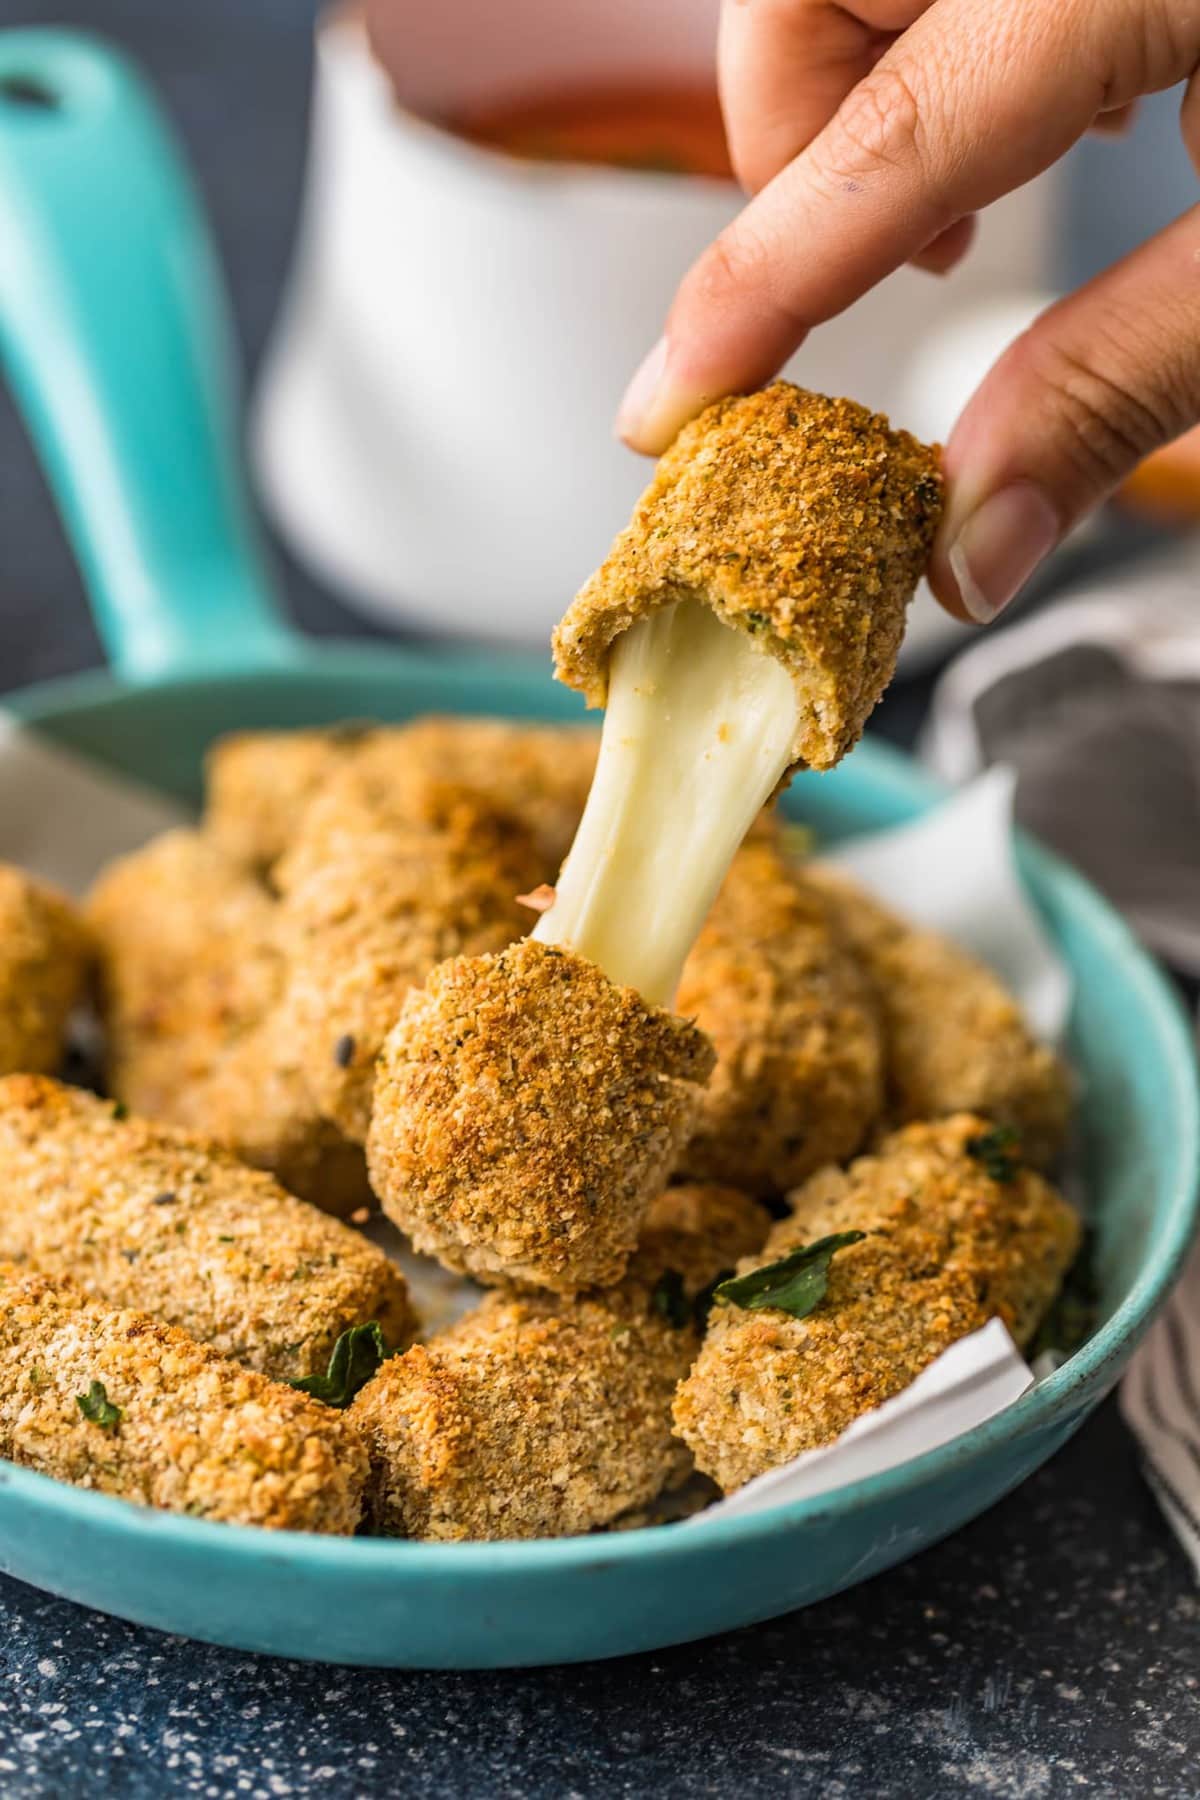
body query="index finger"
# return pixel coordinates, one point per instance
(972, 101)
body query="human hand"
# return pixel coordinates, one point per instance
(868, 134)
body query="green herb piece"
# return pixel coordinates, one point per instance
(669, 1301)
(120, 1110)
(96, 1406)
(352, 1362)
(1071, 1319)
(795, 1284)
(999, 1152)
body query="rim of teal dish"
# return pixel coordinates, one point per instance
(1082, 1376)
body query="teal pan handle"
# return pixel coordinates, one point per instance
(116, 339)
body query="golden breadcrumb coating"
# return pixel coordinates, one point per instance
(147, 1216)
(386, 878)
(538, 775)
(954, 1038)
(539, 1416)
(192, 976)
(45, 958)
(261, 782)
(195, 1434)
(803, 521)
(948, 1247)
(527, 1110)
(799, 1075)
(258, 784)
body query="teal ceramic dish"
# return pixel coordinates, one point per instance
(114, 339)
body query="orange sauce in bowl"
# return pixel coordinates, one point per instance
(667, 130)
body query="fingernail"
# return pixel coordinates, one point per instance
(654, 408)
(999, 547)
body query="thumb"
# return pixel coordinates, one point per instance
(1097, 382)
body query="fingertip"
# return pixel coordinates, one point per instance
(948, 248)
(657, 405)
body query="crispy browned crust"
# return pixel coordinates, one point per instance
(948, 1248)
(385, 879)
(143, 1215)
(799, 1075)
(197, 1434)
(526, 1112)
(45, 958)
(538, 1416)
(191, 978)
(955, 1039)
(803, 521)
(538, 775)
(260, 783)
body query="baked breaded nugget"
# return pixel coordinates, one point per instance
(538, 1416)
(258, 784)
(955, 1039)
(45, 957)
(144, 1215)
(527, 1110)
(117, 1401)
(385, 879)
(799, 1075)
(803, 521)
(191, 979)
(956, 1234)
(261, 782)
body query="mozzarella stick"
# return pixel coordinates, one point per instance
(526, 1109)
(191, 980)
(117, 1401)
(538, 1416)
(147, 1216)
(799, 1075)
(954, 1038)
(941, 1231)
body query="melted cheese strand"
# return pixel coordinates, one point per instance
(698, 731)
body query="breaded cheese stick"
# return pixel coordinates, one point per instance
(147, 1216)
(45, 959)
(525, 1110)
(544, 1417)
(744, 623)
(385, 880)
(803, 523)
(799, 1075)
(956, 1233)
(955, 1039)
(191, 977)
(117, 1401)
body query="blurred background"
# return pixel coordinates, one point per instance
(440, 286)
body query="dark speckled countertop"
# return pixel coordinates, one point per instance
(1051, 1648)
